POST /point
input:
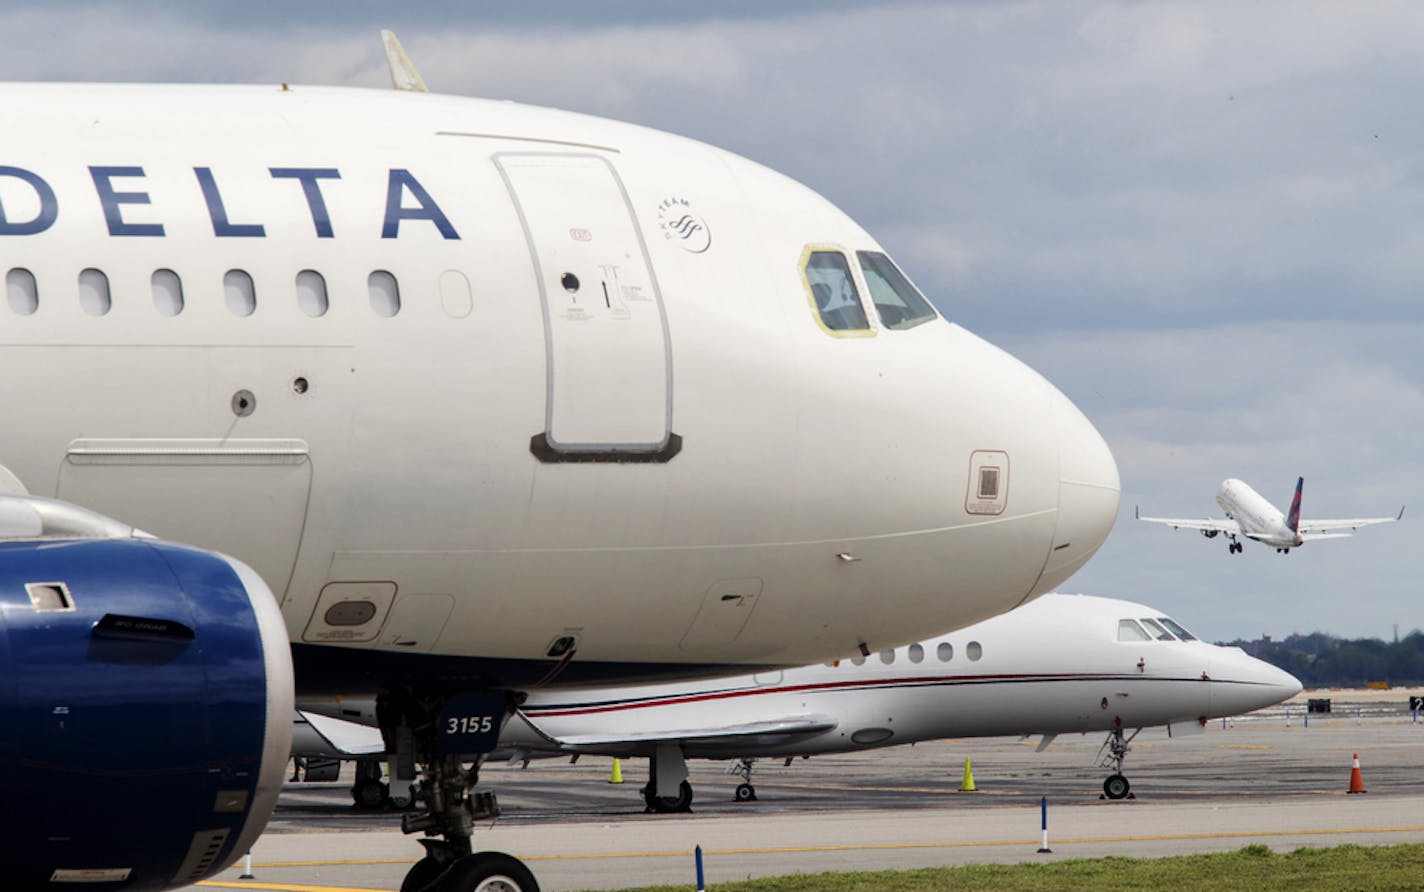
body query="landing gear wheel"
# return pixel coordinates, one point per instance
(369, 794)
(422, 876)
(487, 872)
(681, 802)
(746, 793)
(1116, 787)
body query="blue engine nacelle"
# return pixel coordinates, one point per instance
(145, 713)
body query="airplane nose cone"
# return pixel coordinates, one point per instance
(1242, 683)
(1088, 492)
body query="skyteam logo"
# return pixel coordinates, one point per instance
(682, 226)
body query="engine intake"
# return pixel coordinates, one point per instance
(145, 712)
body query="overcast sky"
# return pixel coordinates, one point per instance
(1203, 221)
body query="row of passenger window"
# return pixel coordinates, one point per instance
(309, 291)
(916, 654)
(835, 296)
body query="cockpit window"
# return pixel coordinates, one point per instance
(899, 303)
(833, 294)
(1178, 630)
(1156, 630)
(1129, 630)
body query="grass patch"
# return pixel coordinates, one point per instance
(1256, 867)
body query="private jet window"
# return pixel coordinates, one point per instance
(858, 660)
(833, 292)
(916, 653)
(311, 293)
(973, 650)
(385, 293)
(1180, 632)
(94, 293)
(945, 651)
(167, 292)
(240, 295)
(887, 657)
(899, 303)
(1129, 630)
(1156, 630)
(21, 291)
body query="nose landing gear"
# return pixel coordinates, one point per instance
(743, 768)
(438, 734)
(1116, 786)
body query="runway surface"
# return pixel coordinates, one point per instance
(1267, 779)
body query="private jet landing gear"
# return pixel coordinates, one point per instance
(369, 790)
(743, 768)
(441, 735)
(667, 789)
(1116, 786)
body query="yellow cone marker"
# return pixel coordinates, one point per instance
(967, 785)
(617, 776)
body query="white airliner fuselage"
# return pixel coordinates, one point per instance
(490, 397)
(472, 379)
(1251, 516)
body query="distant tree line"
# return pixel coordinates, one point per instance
(1324, 661)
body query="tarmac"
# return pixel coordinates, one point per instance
(1277, 778)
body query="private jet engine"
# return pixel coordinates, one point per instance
(145, 704)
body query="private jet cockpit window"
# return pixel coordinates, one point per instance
(833, 294)
(1156, 630)
(1129, 630)
(1176, 629)
(899, 303)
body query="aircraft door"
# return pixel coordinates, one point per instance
(608, 354)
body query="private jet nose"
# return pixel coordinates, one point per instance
(1088, 492)
(1241, 683)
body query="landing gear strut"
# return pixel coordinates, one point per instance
(1116, 786)
(743, 768)
(438, 734)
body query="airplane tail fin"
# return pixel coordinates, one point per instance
(1293, 519)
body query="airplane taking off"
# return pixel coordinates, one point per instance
(1251, 516)
(1061, 664)
(490, 397)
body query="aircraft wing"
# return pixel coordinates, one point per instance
(1219, 525)
(1337, 529)
(346, 738)
(767, 730)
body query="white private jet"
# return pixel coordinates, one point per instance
(488, 397)
(1249, 515)
(1061, 664)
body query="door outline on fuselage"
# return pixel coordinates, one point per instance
(544, 445)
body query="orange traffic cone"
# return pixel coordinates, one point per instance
(1357, 781)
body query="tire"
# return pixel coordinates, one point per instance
(1116, 787)
(420, 877)
(487, 872)
(662, 804)
(746, 793)
(369, 794)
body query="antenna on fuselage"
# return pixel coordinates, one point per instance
(403, 73)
